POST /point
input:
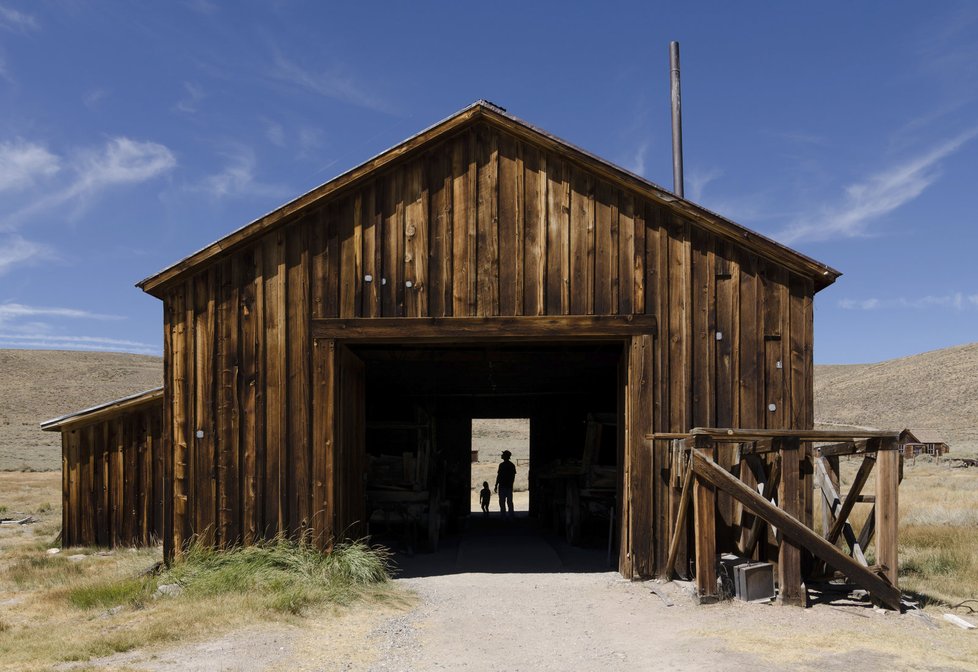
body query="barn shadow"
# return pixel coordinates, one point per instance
(496, 545)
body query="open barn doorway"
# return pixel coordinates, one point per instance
(424, 403)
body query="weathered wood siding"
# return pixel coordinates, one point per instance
(481, 224)
(112, 478)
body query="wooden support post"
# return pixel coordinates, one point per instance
(704, 515)
(679, 530)
(887, 487)
(791, 590)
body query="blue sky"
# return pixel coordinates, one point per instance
(132, 134)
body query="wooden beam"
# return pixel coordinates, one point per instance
(833, 507)
(720, 434)
(679, 528)
(854, 490)
(791, 527)
(791, 589)
(485, 328)
(704, 520)
(887, 489)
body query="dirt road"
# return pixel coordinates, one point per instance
(503, 597)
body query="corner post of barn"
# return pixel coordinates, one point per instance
(704, 520)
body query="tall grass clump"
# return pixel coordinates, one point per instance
(282, 575)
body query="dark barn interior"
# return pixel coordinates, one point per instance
(420, 403)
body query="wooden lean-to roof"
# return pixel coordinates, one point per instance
(104, 411)
(821, 274)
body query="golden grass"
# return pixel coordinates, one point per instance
(58, 608)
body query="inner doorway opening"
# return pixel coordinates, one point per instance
(491, 439)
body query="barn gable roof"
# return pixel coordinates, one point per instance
(821, 274)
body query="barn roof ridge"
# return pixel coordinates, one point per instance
(821, 274)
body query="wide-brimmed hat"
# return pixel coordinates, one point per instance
(506, 453)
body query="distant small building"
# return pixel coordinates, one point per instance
(923, 441)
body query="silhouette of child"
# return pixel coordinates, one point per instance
(485, 496)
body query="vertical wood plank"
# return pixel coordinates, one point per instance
(205, 482)
(487, 222)
(416, 241)
(704, 511)
(464, 231)
(299, 393)
(249, 394)
(350, 233)
(276, 400)
(178, 432)
(641, 381)
(558, 236)
(439, 181)
(535, 226)
(170, 388)
(372, 250)
(510, 226)
(627, 273)
(323, 415)
(582, 212)
(606, 270)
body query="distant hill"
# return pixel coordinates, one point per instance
(37, 385)
(933, 390)
(937, 390)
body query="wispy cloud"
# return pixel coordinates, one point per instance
(121, 161)
(93, 99)
(43, 341)
(697, 180)
(953, 301)
(11, 19)
(275, 133)
(24, 326)
(636, 163)
(334, 82)
(21, 163)
(17, 251)
(193, 94)
(867, 201)
(238, 178)
(206, 7)
(15, 311)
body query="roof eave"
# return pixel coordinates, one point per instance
(92, 413)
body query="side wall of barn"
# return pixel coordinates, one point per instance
(112, 479)
(481, 224)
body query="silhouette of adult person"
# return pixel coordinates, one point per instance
(505, 477)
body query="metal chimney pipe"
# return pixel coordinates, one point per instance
(677, 121)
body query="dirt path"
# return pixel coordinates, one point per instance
(506, 598)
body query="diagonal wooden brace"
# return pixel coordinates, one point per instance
(791, 527)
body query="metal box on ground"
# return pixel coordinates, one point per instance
(754, 581)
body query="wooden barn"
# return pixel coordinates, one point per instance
(323, 364)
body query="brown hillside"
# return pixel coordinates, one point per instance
(937, 390)
(37, 385)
